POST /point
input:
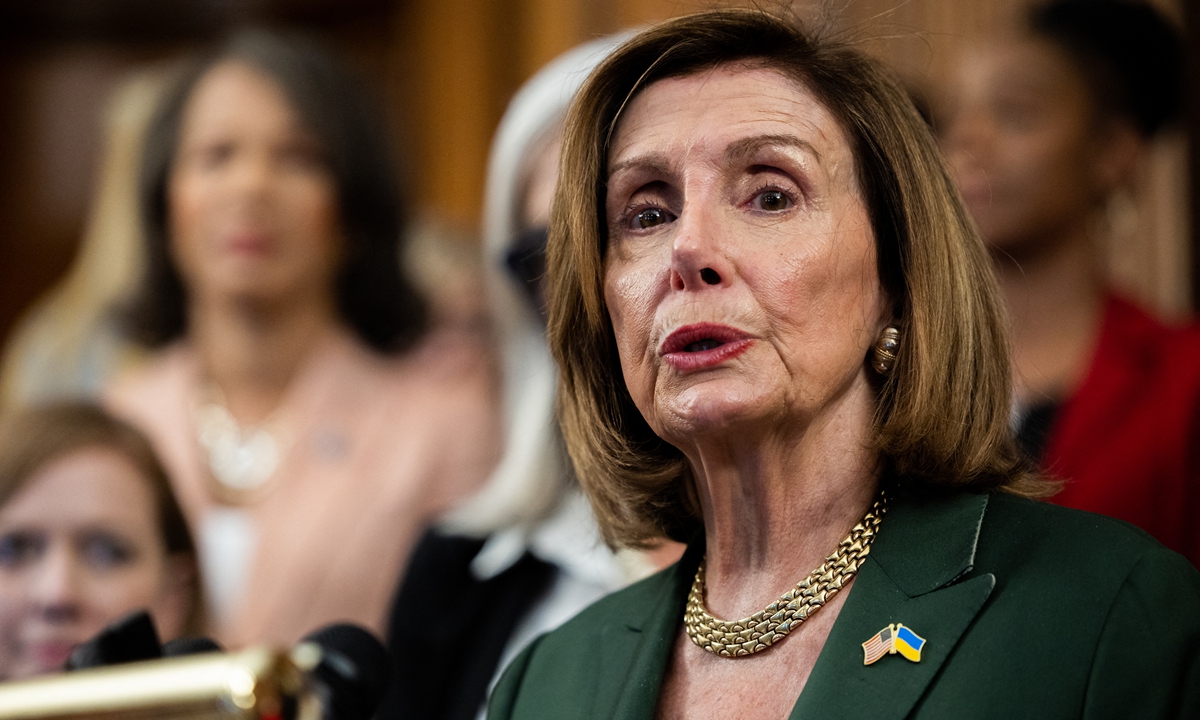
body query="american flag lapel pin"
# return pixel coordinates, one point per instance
(893, 639)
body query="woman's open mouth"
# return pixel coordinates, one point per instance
(49, 655)
(703, 345)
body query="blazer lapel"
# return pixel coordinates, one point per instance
(634, 655)
(912, 576)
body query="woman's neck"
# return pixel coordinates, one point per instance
(252, 353)
(775, 510)
(1055, 300)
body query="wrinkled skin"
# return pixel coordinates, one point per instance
(747, 175)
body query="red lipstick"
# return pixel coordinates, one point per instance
(703, 345)
(249, 242)
(51, 654)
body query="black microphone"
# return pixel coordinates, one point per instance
(190, 646)
(130, 639)
(349, 667)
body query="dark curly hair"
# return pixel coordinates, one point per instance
(373, 296)
(1131, 56)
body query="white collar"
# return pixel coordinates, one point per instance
(568, 539)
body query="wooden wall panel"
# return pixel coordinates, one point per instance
(450, 71)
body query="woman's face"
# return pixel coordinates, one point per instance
(80, 547)
(1024, 144)
(253, 208)
(740, 270)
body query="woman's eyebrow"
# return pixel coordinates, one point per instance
(654, 162)
(746, 147)
(738, 150)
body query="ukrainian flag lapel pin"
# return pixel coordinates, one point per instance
(895, 638)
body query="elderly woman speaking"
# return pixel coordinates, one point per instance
(780, 340)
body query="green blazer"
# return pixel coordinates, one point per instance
(1028, 611)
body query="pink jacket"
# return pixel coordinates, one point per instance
(378, 446)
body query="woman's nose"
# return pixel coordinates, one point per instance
(56, 584)
(252, 175)
(697, 259)
(967, 137)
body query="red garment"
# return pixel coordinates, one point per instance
(1126, 441)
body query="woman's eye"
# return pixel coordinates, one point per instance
(17, 549)
(103, 551)
(773, 201)
(650, 217)
(215, 155)
(1019, 117)
(301, 157)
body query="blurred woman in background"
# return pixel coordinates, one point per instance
(89, 531)
(1045, 132)
(310, 424)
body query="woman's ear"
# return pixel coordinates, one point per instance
(178, 598)
(889, 313)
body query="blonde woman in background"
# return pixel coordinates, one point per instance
(69, 343)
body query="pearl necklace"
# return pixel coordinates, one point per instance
(242, 459)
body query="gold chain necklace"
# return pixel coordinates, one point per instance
(765, 628)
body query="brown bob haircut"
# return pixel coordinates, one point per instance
(32, 438)
(942, 413)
